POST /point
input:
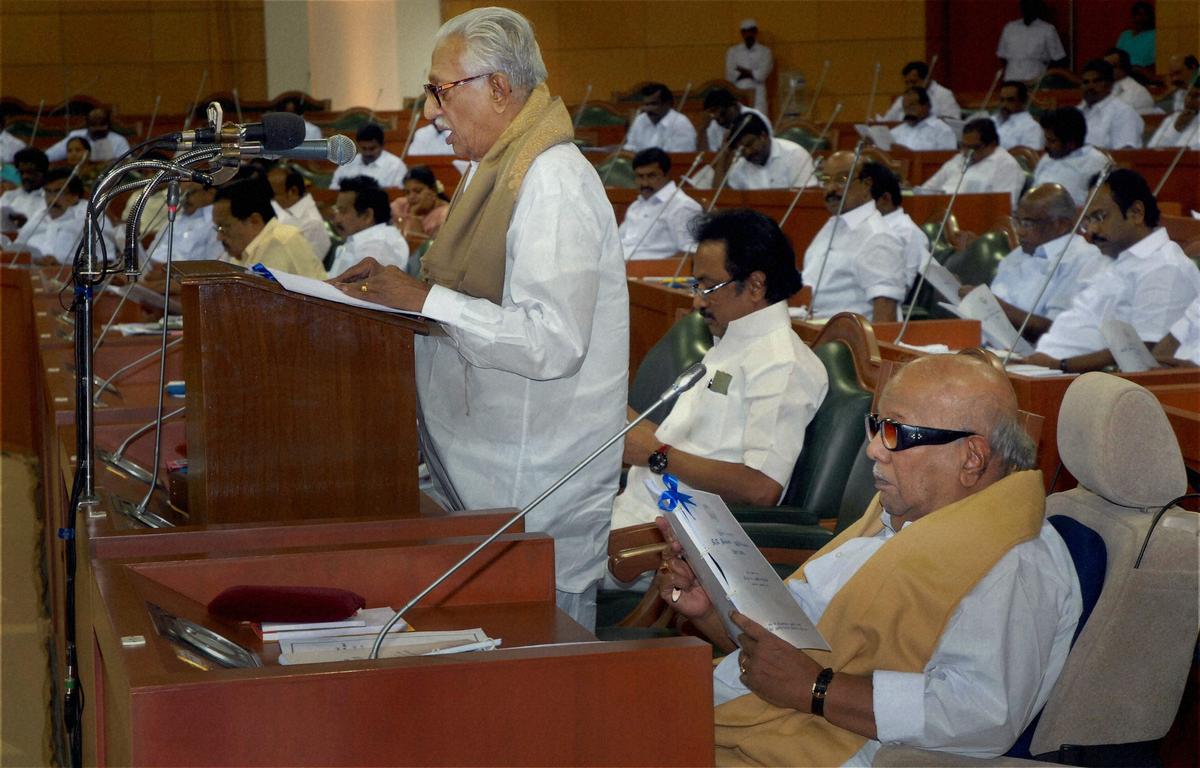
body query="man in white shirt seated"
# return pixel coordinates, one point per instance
(1149, 284)
(739, 433)
(885, 189)
(657, 224)
(364, 218)
(764, 162)
(1182, 126)
(9, 145)
(948, 634)
(293, 205)
(1125, 87)
(1029, 44)
(921, 130)
(915, 73)
(659, 125)
(1016, 126)
(991, 168)
(1181, 72)
(372, 160)
(725, 114)
(312, 131)
(1068, 161)
(56, 231)
(1112, 124)
(1044, 219)
(251, 233)
(1181, 347)
(428, 140)
(106, 143)
(866, 270)
(19, 205)
(195, 238)
(748, 65)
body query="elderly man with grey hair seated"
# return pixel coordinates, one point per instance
(949, 607)
(527, 279)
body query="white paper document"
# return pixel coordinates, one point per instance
(407, 644)
(942, 280)
(1126, 346)
(366, 621)
(734, 573)
(981, 305)
(310, 286)
(880, 135)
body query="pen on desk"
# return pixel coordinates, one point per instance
(482, 645)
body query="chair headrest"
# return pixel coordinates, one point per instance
(1115, 438)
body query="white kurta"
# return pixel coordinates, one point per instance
(194, 240)
(1167, 135)
(60, 237)
(427, 140)
(996, 662)
(304, 216)
(941, 104)
(387, 169)
(916, 243)
(1112, 124)
(1028, 48)
(18, 201)
(1020, 130)
(1134, 94)
(998, 172)
(930, 133)
(1186, 331)
(1149, 286)
(110, 147)
(9, 146)
(1020, 276)
(788, 165)
(517, 394)
(866, 262)
(658, 227)
(1073, 172)
(714, 134)
(759, 60)
(674, 133)
(776, 385)
(382, 242)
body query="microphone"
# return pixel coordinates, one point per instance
(683, 382)
(276, 132)
(107, 383)
(117, 457)
(337, 149)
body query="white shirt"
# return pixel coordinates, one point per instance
(1177, 99)
(110, 147)
(1020, 276)
(9, 146)
(1073, 172)
(1112, 124)
(381, 241)
(18, 201)
(788, 165)
(1167, 136)
(387, 169)
(759, 61)
(866, 262)
(775, 386)
(1020, 130)
(1134, 94)
(674, 133)
(1149, 286)
(930, 133)
(428, 140)
(60, 237)
(1027, 49)
(714, 134)
(996, 662)
(998, 172)
(304, 216)
(916, 243)
(312, 131)
(665, 216)
(515, 395)
(941, 104)
(194, 240)
(1187, 332)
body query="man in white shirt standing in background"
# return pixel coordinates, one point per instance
(748, 65)
(658, 124)
(657, 224)
(1016, 126)
(1028, 45)
(991, 168)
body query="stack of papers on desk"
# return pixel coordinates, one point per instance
(317, 651)
(367, 621)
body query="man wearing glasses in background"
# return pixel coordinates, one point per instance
(949, 606)
(739, 432)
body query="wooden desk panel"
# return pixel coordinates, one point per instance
(17, 351)
(653, 309)
(1181, 402)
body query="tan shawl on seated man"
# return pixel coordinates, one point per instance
(468, 255)
(890, 615)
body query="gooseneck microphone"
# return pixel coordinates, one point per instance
(684, 382)
(337, 149)
(277, 131)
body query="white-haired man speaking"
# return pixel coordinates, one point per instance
(527, 279)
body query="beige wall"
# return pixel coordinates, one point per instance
(1178, 25)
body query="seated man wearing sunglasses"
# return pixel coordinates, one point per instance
(949, 606)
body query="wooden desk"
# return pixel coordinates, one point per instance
(653, 309)
(1181, 402)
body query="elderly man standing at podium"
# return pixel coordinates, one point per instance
(527, 281)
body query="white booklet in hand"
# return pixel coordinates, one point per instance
(943, 280)
(733, 572)
(1126, 346)
(880, 135)
(310, 286)
(981, 305)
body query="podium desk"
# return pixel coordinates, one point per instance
(552, 695)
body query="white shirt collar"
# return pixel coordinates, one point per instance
(1049, 247)
(757, 323)
(853, 218)
(662, 195)
(1147, 246)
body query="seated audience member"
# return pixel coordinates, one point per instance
(1181, 347)
(885, 189)
(55, 231)
(1016, 126)
(724, 114)
(764, 162)
(1182, 71)
(362, 216)
(372, 160)
(1182, 126)
(740, 434)
(293, 205)
(1028, 44)
(948, 635)
(1139, 41)
(1149, 283)
(657, 223)
(943, 102)
(9, 145)
(423, 209)
(659, 125)
(106, 143)
(866, 270)
(1111, 123)
(991, 167)
(251, 233)
(428, 140)
(1044, 219)
(920, 129)
(20, 204)
(312, 131)
(1068, 161)
(1125, 87)
(195, 238)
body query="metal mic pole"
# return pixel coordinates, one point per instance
(941, 228)
(418, 107)
(929, 77)
(112, 319)
(117, 457)
(812, 301)
(612, 159)
(1178, 156)
(36, 119)
(1108, 167)
(666, 205)
(582, 105)
(187, 119)
(107, 383)
(871, 98)
(786, 214)
(153, 116)
(787, 103)
(684, 382)
(988, 96)
(45, 214)
(812, 105)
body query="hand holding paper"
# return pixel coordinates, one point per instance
(1126, 346)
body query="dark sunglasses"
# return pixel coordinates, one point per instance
(900, 437)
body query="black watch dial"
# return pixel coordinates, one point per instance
(657, 462)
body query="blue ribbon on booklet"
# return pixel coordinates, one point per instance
(672, 497)
(262, 271)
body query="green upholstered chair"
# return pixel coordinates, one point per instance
(1056, 79)
(620, 176)
(978, 262)
(805, 138)
(684, 344)
(600, 114)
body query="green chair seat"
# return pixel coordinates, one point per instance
(805, 139)
(621, 174)
(596, 115)
(977, 264)
(683, 345)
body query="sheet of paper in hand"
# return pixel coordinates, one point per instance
(943, 280)
(320, 289)
(981, 305)
(733, 572)
(1126, 346)
(880, 135)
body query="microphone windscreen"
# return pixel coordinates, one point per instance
(282, 130)
(341, 149)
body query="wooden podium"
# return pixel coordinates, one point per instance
(297, 407)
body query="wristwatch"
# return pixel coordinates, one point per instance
(658, 460)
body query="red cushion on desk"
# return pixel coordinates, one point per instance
(263, 603)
